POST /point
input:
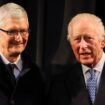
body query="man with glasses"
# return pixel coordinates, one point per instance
(20, 80)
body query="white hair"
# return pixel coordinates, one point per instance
(12, 10)
(91, 18)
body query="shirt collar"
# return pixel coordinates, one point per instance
(98, 67)
(18, 62)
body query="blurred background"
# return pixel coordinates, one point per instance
(48, 23)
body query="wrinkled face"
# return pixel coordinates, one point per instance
(86, 43)
(13, 44)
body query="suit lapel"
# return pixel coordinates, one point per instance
(76, 86)
(5, 71)
(100, 97)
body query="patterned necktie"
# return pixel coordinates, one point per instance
(91, 85)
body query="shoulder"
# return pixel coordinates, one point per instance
(63, 71)
(29, 64)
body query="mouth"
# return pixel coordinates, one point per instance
(16, 44)
(85, 55)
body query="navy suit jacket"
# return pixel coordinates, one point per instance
(26, 90)
(68, 87)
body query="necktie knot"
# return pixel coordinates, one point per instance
(92, 74)
(11, 67)
(14, 69)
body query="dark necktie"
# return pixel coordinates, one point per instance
(11, 68)
(91, 85)
(14, 70)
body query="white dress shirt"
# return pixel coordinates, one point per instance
(98, 68)
(18, 63)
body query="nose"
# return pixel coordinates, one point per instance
(82, 44)
(18, 37)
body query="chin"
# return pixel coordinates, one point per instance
(17, 50)
(86, 62)
(16, 53)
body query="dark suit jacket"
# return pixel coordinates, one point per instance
(68, 87)
(26, 90)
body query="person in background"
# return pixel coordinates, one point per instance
(21, 82)
(83, 83)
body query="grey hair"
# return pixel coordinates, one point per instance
(12, 10)
(91, 17)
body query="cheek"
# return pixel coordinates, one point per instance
(25, 40)
(4, 43)
(75, 49)
(96, 48)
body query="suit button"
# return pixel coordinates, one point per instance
(12, 102)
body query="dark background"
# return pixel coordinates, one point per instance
(48, 23)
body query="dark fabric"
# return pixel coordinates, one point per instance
(68, 87)
(26, 90)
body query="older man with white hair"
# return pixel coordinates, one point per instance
(83, 83)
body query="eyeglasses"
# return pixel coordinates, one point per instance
(15, 32)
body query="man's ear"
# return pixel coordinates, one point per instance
(103, 43)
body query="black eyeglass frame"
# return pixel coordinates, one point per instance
(15, 32)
